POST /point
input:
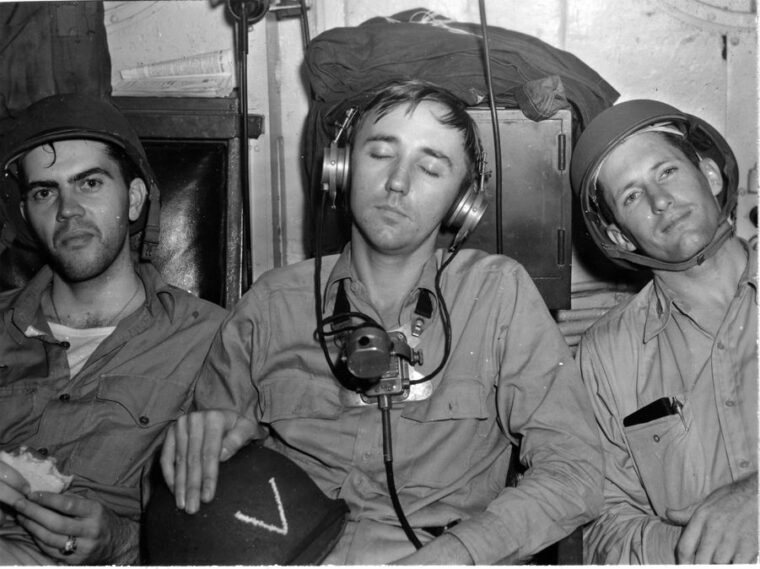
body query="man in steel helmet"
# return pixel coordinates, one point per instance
(673, 372)
(97, 352)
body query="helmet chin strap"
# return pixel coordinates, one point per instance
(724, 231)
(152, 225)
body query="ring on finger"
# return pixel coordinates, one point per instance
(70, 546)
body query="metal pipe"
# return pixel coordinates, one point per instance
(242, 23)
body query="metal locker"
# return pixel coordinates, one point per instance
(536, 199)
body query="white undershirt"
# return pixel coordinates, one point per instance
(82, 342)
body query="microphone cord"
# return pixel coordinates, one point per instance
(445, 320)
(384, 401)
(318, 285)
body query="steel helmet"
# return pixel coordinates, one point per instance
(613, 126)
(66, 117)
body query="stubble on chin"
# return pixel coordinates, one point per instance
(78, 265)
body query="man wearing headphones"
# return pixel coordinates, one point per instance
(506, 381)
(673, 372)
(97, 352)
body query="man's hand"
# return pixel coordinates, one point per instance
(444, 550)
(193, 448)
(13, 487)
(100, 535)
(722, 528)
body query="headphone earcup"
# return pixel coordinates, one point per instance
(335, 169)
(465, 214)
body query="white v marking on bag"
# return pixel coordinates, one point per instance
(282, 529)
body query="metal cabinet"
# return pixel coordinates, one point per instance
(193, 146)
(536, 198)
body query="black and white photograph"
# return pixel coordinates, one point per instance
(348, 282)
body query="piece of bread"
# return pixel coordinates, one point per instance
(41, 473)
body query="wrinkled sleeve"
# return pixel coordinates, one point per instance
(628, 531)
(543, 408)
(226, 378)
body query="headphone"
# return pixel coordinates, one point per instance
(463, 215)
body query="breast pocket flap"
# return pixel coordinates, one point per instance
(148, 401)
(290, 397)
(462, 398)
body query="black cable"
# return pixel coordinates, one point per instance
(384, 403)
(318, 284)
(495, 125)
(322, 335)
(444, 311)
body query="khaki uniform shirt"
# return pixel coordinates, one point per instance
(510, 380)
(105, 424)
(652, 348)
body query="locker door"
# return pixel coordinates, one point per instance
(536, 198)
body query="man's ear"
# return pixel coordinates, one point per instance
(138, 193)
(619, 239)
(712, 172)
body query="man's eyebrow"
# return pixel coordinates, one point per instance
(427, 150)
(382, 138)
(87, 173)
(71, 180)
(437, 154)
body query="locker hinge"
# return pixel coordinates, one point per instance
(561, 149)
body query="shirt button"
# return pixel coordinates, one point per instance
(730, 403)
(43, 451)
(656, 438)
(65, 397)
(144, 420)
(744, 463)
(721, 346)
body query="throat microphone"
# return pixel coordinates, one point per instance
(378, 361)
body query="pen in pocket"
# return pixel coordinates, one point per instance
(662, 407)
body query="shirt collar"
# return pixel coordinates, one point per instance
(27, 315)
(660, 307)
(159, 295)
(343, 270)
(661, 299)
(25, 312)
(340, 271)
(750, 272)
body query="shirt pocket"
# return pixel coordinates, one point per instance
(128, 418)
(20, 409)
(438, 440)
(306, 413)
(287, 397)
(669, 458)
